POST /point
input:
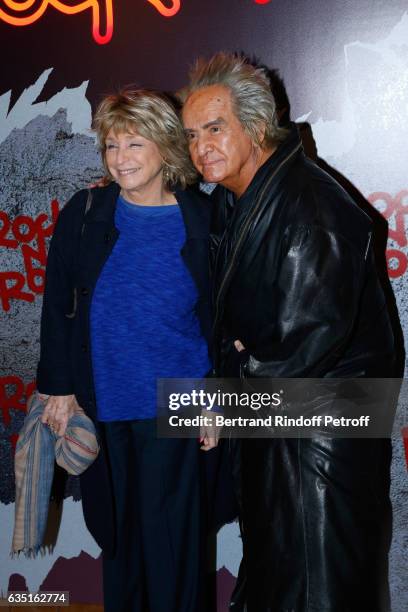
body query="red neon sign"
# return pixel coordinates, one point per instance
(27, 12)
(163, 10)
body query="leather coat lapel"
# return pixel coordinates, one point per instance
(245, 216)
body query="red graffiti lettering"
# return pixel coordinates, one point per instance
(4, 229)
(405, 439)
(19, 223)
(13, 291)
(15, 284)
(14, 394)
(39, 255)
(397, 263)
(395, 210)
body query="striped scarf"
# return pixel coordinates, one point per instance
(37, 449)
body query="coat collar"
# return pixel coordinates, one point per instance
(244, 213)
(277, 163)
(195, 208)
(103, 204)
(228, 207)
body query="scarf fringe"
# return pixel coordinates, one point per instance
(33, 552)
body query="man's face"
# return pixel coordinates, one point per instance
(220, 148)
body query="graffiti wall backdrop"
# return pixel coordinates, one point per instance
(345, 67)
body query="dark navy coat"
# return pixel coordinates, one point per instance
(80, 246)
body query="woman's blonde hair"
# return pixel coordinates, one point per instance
(151, 115)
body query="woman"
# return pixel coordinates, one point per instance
(125, 303)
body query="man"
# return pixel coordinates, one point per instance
(296, 294)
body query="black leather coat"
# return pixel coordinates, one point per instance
(294, 276)
(295, 282)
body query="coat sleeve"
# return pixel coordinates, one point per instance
(315, 306)
(54, 375)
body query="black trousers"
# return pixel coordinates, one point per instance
(158, 561)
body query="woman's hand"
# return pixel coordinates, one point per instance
(57, 412)
(209, 434)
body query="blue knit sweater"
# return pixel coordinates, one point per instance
(143, 321)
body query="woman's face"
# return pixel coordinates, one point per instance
(136, 165)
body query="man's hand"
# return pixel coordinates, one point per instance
(57, 412)
(209, 434)
(239, 346)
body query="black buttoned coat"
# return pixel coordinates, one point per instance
(81, 244)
